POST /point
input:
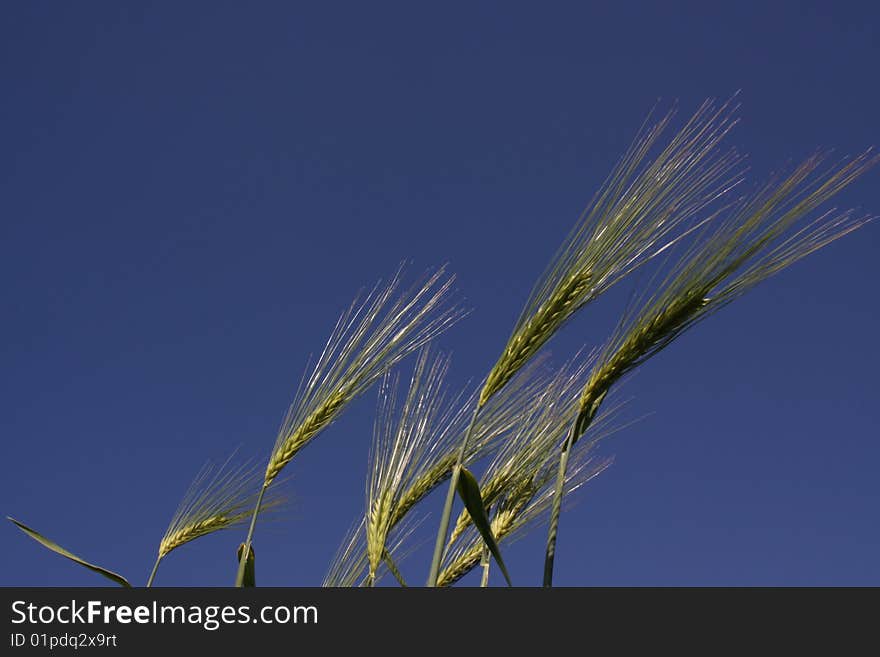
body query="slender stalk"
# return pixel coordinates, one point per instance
(392, 567)
(245, 553)
(556, 509)
(153, 574)
(485, 562)
(450, 499)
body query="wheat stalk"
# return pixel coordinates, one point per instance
(219, 497)
(530, 431)
(758, 239)
(643, 207)
(407, 439)
(370, 338)
(633, 217)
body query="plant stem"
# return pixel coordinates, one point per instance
(242, 564)
(392, 567)
(153, 574)
(556, 509)
(450, 499)
(485, 562)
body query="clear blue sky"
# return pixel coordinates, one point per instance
(191, 192)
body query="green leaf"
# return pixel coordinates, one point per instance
(39, 538)
(250, 577)
(469, 491)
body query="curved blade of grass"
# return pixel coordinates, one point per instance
(57, 549)
(250, 578)
(469, 491)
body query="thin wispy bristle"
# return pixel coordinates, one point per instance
(641, 209)
(348, 567)
(370, 338)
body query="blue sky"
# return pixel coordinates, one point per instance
(192, 192)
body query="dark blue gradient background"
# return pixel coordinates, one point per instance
(191, 192)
